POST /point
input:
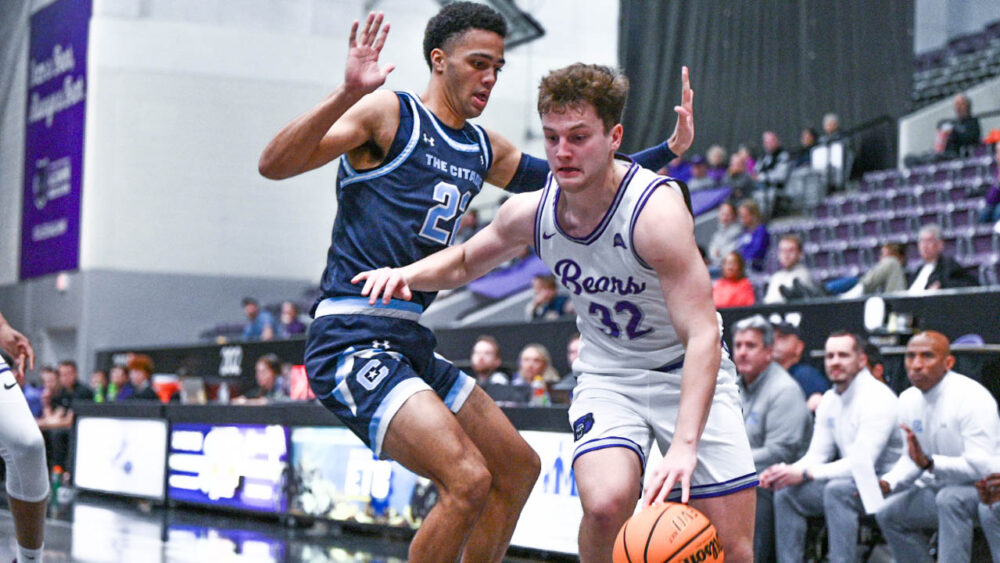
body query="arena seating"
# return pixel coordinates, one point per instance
(964, 62)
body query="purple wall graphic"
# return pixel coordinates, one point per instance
(54, 135)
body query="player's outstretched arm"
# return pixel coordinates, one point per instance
(342, 121)
(664, 238)
(17, 346)
(510, 231)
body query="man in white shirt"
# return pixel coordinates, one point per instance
(789, 256)
(856, 420)
(937, 271)
(951, 427)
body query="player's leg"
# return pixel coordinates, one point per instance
(733, 517)
(23, 452)
(513, 466)
(609, 482)
(426, 438)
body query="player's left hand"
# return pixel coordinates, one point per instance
(384, 282)
(683, 135)
(19, 348)
(676, 468)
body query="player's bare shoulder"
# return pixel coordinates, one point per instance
(516, 217)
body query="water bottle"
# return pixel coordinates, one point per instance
(56, 481)
(539, 394)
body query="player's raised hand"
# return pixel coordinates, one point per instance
(384, 282)
(18, 347)
(683, 135)
(676, 468)
(363, 73)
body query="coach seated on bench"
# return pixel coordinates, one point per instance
(855, 421)
(951, 428)
(777, 420)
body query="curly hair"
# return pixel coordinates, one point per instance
(457, 18)
(601, 86)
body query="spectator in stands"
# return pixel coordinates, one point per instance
(568, 381)
(777, 420)
(951, 428)
(808, 140)
(875, 362)
(677, 168)
(140, 370)
(737, 178)
(290, 323)
(486, 361)
(724, 239)
(788, 350)
(270, 385)
(715, 157)
(120, 388)
(534, 361)
(99, 385)
(831, 129)
(937, 271)
(33, 395)
(792, 269)
(733, 289)
(547, 304)
(56, 420)
(960, 134)
(468, 226)
(755, 240)
(991, 212)
(71, 388)
(773, 168)
(855, 422)
(260, 325)
(699, 175)
(888, 275)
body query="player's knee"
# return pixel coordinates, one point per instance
(608, 511)
(470, 488)
(529, 466)
(27, 445)
(739, 551)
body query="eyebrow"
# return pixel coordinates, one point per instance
(501, 61)
(573, 128)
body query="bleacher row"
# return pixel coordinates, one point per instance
(842, 235)
(964, 62)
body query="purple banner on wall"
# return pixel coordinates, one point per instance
(53, 146)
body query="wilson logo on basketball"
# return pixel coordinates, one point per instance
(709, 552)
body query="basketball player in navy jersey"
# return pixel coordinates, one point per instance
(22, 447)
(620, 239)
(410, 166)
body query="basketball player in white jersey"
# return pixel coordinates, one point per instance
(620, 239)
(22, 447)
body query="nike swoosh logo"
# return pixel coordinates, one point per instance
(11, 386)
(547, 236)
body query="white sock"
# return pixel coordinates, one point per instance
(25, 555)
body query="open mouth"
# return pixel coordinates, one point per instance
(481, 99)
(567, 171)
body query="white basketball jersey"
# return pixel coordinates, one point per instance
(621, 312)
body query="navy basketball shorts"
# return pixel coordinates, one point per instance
(363, 368)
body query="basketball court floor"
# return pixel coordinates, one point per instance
(102, 529)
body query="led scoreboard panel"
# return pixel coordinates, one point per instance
(240, 466)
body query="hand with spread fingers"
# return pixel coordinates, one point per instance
(675, 469)
(387, 283)
(17, 346)
(363, 73)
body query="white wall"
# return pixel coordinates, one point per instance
(936, 21)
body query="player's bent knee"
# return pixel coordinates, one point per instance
(609, 510)
(468, 492)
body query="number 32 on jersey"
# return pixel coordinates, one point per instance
(624, 312)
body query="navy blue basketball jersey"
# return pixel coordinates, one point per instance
(410, 205)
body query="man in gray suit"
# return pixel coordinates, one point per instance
(777, 419)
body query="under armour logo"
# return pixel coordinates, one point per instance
(381, 344)
(428, 139)
(619, 241)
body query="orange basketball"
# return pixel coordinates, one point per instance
(668, 532)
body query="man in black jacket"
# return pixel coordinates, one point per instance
(937, 270)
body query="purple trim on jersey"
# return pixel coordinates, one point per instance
(738, 484)
(635, 217)
(619, 442)
(667, 368)
(538, 215)
(589, 239)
